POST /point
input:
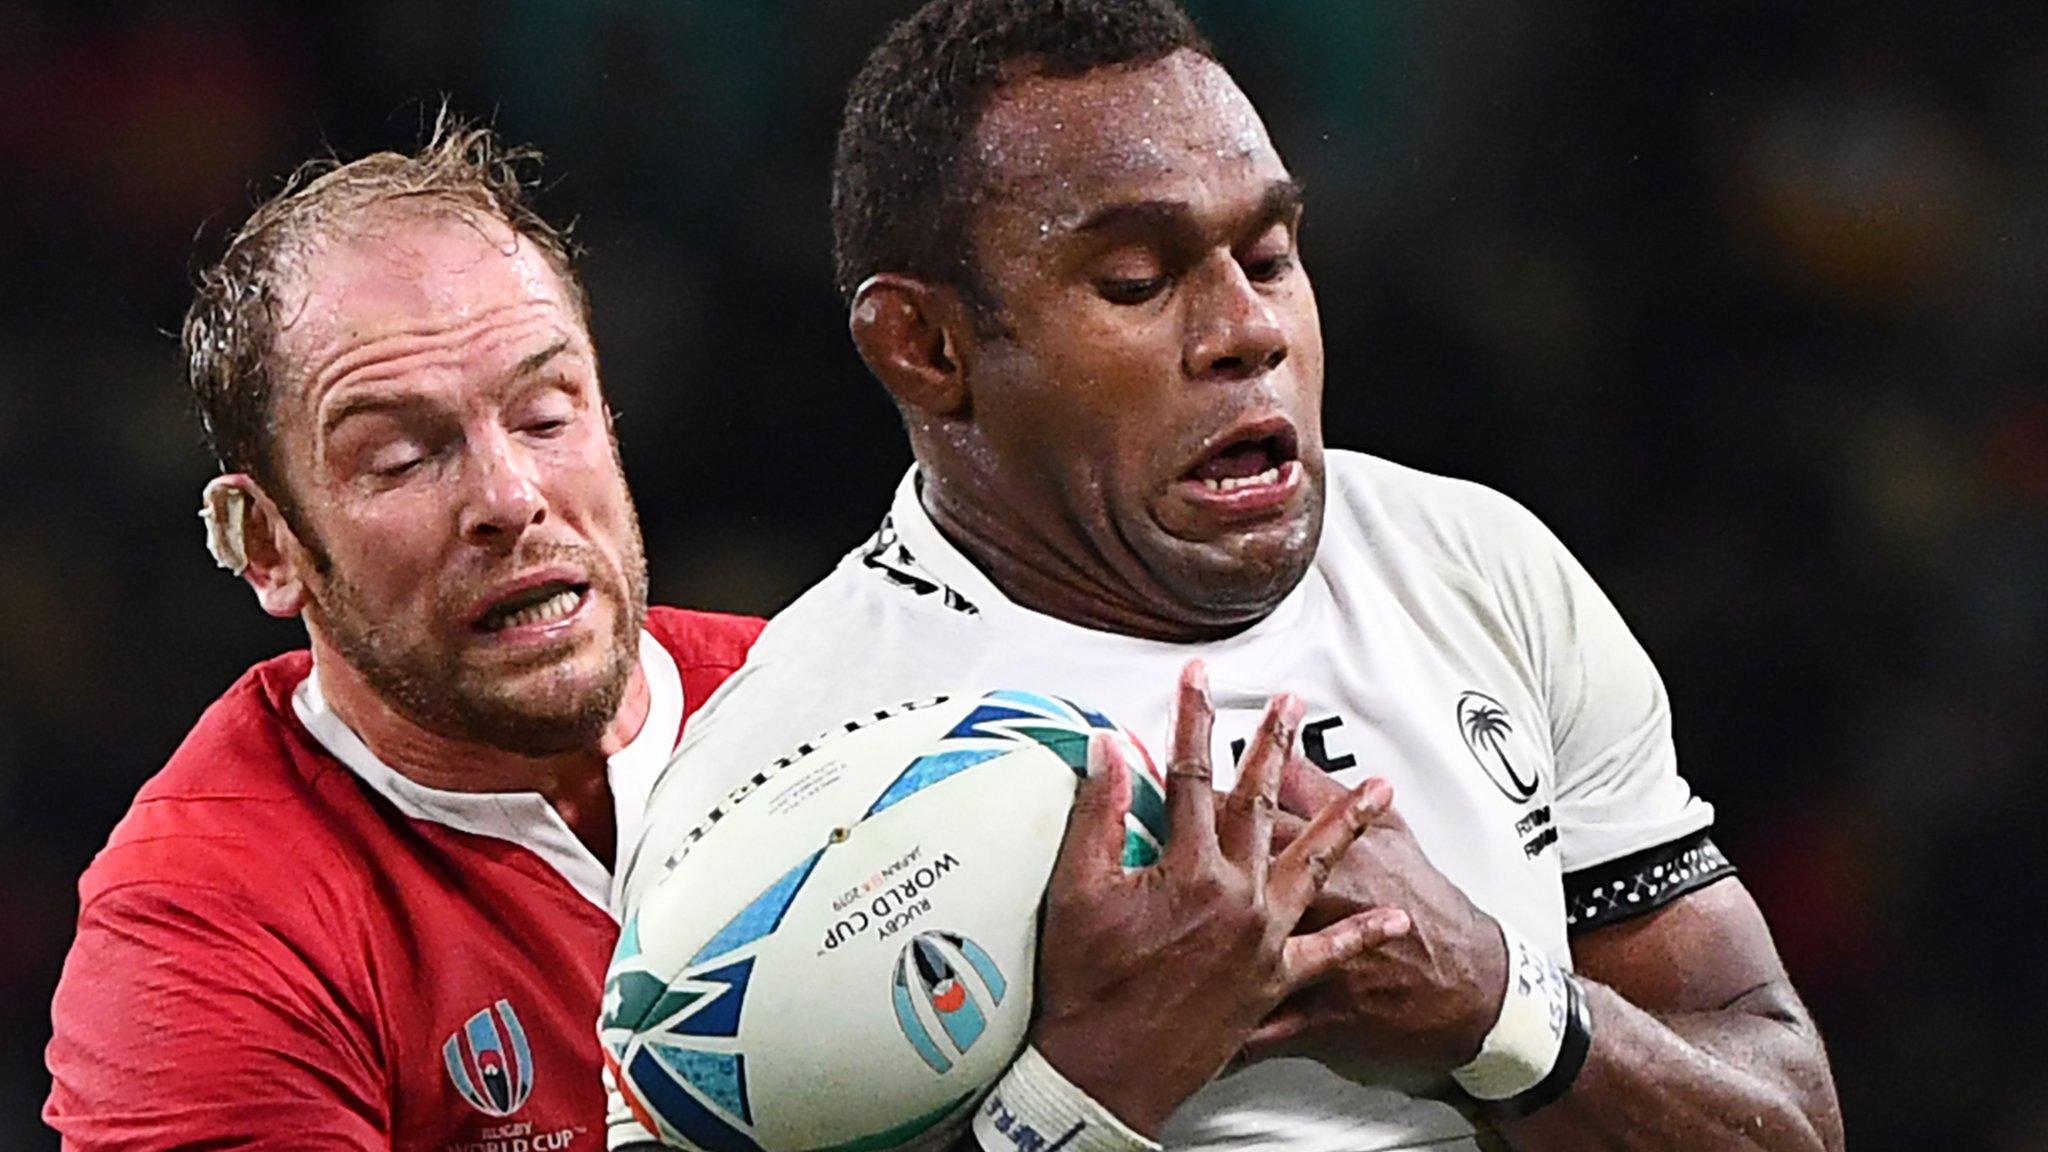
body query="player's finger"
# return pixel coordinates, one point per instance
(1287, 828)
(1190, 793)
(1276, 1030)
(1299, 873)
(1306, 789)
(1244, 828)
(1095, 827)
(1310, 957)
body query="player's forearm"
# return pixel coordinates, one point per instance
(1750, 1078)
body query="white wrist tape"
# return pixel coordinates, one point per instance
(1526, 1040)
(1034, 1109)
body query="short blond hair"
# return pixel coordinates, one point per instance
(230, 333)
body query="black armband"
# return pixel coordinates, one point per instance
(1641, 882)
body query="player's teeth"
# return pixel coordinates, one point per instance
(553, 608)
(1233, 483)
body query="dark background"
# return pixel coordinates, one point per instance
(1745, 299)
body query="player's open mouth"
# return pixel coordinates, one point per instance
(1249, 469)
(541, 604)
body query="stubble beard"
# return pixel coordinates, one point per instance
(436, 689)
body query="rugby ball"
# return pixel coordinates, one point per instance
(839, 956)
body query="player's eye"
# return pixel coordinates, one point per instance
(1131, 291)
(399, 459)
(1271, 257)
(544, 413)
(1266, 269)
(397, 467)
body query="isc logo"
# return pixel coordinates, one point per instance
(944, 988)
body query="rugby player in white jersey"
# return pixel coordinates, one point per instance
(1070, 253)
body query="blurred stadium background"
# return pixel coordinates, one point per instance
(1746, 299)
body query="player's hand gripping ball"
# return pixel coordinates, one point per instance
(840, 957)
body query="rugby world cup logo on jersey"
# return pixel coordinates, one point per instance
(1489, 734)
(489, 1061)
(944, 988)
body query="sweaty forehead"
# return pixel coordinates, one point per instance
(402, 276)
(1064, 143)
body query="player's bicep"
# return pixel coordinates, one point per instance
(1706, 967)
(180, 1019)
(1707, 951)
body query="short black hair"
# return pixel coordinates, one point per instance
(902, 181)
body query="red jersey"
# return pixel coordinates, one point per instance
(288, 945)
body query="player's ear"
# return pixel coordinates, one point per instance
(909, 333)
(248, 536)
(277, 560)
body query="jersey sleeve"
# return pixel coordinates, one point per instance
(1617, 791)
(181, 1020)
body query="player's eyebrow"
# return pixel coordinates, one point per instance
(1136, 215)
(539, 360)
(366, 403)
(1280, 200)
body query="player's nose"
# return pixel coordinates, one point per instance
(1233, 331)
(502, 495)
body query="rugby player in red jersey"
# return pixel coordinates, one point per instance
(364, 905)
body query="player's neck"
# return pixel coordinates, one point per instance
(1028, 559)
(569, 780)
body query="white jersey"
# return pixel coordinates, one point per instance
(1443, 639)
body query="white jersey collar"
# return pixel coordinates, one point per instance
(930, 550)
(524, 818)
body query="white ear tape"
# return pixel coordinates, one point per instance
(224, 508)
